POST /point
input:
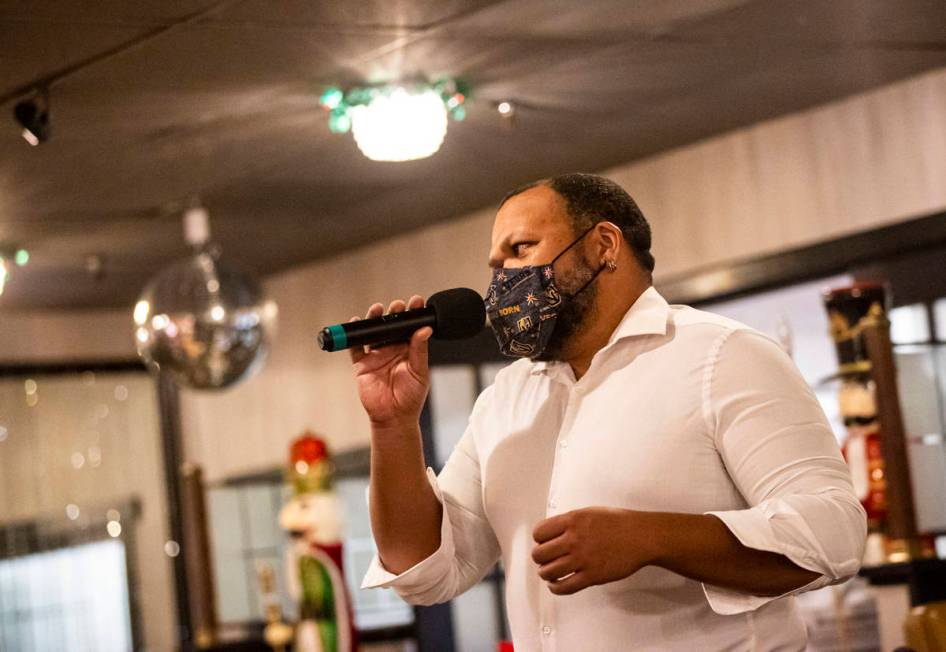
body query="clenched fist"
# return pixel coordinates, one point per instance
(593, 545)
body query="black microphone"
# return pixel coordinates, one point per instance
(453, 314)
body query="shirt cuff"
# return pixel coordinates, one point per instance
(753, 530)
(424, 574)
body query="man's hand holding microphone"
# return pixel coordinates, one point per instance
(389, 358)
(393, 380)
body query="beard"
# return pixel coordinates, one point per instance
(579, 293)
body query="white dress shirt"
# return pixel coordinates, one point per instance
(682, 411)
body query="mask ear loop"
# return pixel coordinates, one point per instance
(562, 253)
(574, 242)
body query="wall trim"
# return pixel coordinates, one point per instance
(734, 279)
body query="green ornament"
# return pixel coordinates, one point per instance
(358, 96)
(21, 257)
(458, 113)
(339, 122)
(332, 97)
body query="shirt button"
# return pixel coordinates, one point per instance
(546, 630)
(563, 443)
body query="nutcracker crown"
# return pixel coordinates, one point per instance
(850, 310)
(310, 465)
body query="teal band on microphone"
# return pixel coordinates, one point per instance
(339, 337)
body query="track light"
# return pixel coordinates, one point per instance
(33, 116)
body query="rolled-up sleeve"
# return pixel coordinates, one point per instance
(468, 547)
(782, 455)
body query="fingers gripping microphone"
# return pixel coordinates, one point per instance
(453, 314)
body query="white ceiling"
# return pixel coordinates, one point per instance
(218, 100)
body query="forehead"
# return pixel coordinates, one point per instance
(539, 210)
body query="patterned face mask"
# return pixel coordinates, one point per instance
(523, 303)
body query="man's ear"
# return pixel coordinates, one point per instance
(609, 238)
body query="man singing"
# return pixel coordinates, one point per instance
(653, 477)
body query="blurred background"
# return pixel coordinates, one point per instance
(190, 190)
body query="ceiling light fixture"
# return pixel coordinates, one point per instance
(33, 116)
(400, 122)
(9, 258)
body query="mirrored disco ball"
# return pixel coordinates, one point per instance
(205, 321)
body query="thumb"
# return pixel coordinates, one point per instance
(417, 352)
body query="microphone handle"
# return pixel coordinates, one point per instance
(377, 332)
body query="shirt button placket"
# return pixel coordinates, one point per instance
(548, 641)
(568, 419)
(561, 444)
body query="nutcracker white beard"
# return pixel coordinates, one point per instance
(313, 518)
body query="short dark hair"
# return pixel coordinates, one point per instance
(590, 199)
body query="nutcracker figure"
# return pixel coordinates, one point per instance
(314, 558)
(849, 309)
(862, 447)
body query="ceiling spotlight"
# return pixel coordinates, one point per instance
(505, 108)
(396, 122)
(33, 116)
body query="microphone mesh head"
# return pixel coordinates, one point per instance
(460, 313)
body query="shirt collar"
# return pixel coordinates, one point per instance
(648, 316)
